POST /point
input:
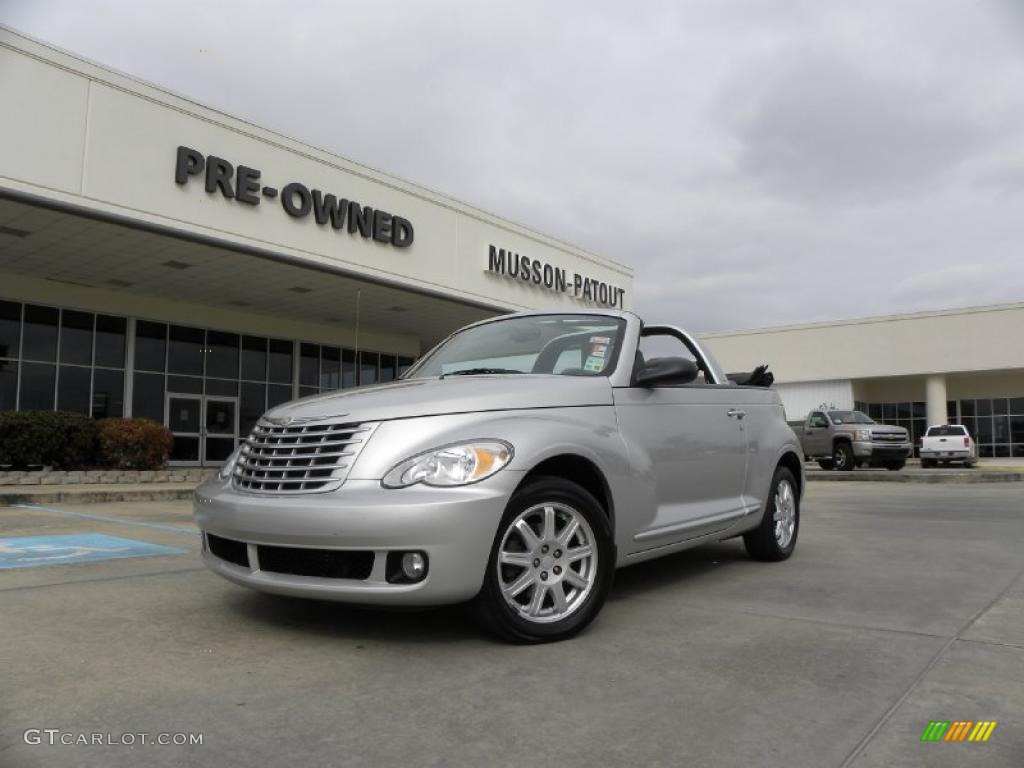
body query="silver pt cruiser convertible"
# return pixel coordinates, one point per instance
(518, 464)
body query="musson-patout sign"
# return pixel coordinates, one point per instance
(298, 200)
(552, 278)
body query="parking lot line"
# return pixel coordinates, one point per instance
(106, 519)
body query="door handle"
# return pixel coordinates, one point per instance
(735, 413)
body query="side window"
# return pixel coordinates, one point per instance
(818, 420)
(664, 345)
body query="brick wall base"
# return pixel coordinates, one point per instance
(93, 476)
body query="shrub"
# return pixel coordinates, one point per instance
(52, 438)
(134, 443)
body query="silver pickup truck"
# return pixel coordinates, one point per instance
(517, 464)
(842, 440)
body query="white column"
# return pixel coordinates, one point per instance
(935, 399)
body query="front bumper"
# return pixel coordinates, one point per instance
(455, 527)
(882, 451)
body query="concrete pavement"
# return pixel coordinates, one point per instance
(903, 604)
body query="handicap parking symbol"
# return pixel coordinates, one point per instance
(32, 551)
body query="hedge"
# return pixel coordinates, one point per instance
(51, 438)
(65, 440)
(134, 443)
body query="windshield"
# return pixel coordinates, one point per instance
(569, 345)
(850, 417)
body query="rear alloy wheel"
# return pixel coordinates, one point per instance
(843, 458)
(775, 538)
(551, 564)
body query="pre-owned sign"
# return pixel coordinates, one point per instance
(544, 275)
(243, 184)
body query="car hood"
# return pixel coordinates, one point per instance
(454, 394)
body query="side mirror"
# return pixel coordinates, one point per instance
(666, 371)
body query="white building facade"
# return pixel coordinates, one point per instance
(963, 366)
(161, 259)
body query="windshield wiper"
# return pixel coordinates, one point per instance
(477, 372)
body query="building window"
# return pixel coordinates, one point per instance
(221, 355)
(39, 335)
(325, 369)
(330, 369)
(38, 384)
(61, 358)
(309, 369)
(996, 424)
(280, 368)
(75, 360)
(368, 363)
(10, 329)
(185, 351)
(348, 369)
(8, 385)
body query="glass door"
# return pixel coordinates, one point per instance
(184, 419)
(220, 419)
(204, 428)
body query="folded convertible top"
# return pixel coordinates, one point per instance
(759, 377)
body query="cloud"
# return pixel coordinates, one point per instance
(822, 127)
(756, 163)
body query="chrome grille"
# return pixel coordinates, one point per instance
(299, 459)
(889, 437)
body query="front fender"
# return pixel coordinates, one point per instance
(535, 435)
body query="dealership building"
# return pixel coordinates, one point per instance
(161, 259)
(963, 366)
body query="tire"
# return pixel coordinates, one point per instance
(825, 463)
(927, 463)
(531, 563)
(843, 458)
(775, 540)
(895, 466)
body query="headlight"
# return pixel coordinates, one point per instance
(229, 466)
(862, 435)
(456, 464)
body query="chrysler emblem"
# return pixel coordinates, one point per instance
(287, 421)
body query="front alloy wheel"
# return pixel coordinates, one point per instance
(551, 565)
(843, 458)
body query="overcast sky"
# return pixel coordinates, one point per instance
(756, 163)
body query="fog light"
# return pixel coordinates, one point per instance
(414, 566)
(406, 567)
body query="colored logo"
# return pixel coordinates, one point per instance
(958, 730)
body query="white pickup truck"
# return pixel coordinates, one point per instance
(946, 443)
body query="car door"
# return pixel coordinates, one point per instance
(688, 450)
(816, 435)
